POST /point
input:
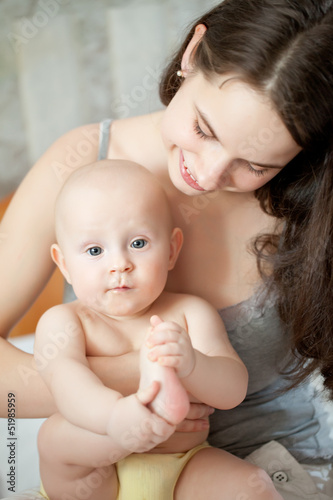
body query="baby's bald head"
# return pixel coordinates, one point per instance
(120, 184)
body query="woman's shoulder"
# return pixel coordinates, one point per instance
(75, 148)
(72, 150)
(138, 138)
(140, 123)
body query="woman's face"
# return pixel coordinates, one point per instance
(222, 135)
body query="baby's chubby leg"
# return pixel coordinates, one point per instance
(77, 463)
(215, 474)
(171, 402)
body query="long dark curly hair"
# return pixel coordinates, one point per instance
(284, 50)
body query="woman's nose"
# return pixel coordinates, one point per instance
(213, 172)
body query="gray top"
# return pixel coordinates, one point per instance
(104, 135)
(295, 418)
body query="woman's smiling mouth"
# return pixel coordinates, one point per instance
(187, 174)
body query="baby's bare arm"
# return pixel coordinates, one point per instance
(81, 397)
(203, 357)
(60, 356)
(219, 377)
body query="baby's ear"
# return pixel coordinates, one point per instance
(176, 244)
(59, 259)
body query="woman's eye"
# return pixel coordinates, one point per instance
(198, 130)
(140, 243)
(258, 173)
(94, 251)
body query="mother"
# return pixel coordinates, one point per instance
(244, 150)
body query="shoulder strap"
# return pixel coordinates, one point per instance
(104, 133)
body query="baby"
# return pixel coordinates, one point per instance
(116, 243)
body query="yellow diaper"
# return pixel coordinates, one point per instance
(43, 492)
(151, 476)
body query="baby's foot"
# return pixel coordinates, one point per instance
(171, 402)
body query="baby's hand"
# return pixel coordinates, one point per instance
(170, 345)
(134, 427)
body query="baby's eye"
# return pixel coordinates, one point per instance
(139, 243)
(94, 251)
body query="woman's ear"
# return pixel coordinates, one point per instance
(176, 244)
(59, 259)
(186, 66)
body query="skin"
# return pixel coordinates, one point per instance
(222, 160)
(88, 221)
(239, 128)
(117, 251)
(219, 269)
(226, 220)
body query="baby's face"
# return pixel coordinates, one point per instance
(117, 251)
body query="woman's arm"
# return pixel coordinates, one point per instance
(33, 399)
(19, 376)
(120, 373)
(27, 228)
(26, 234)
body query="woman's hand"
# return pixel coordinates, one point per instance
(197, 418)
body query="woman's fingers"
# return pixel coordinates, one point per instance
(193, 425)
(199, 410)
(197, 418)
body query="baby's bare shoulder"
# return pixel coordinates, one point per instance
(59, 316)
(187, 303)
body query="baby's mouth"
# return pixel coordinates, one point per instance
(119, 286)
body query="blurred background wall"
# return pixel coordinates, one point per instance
(64, 63)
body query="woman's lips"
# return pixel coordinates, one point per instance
(187, 175)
